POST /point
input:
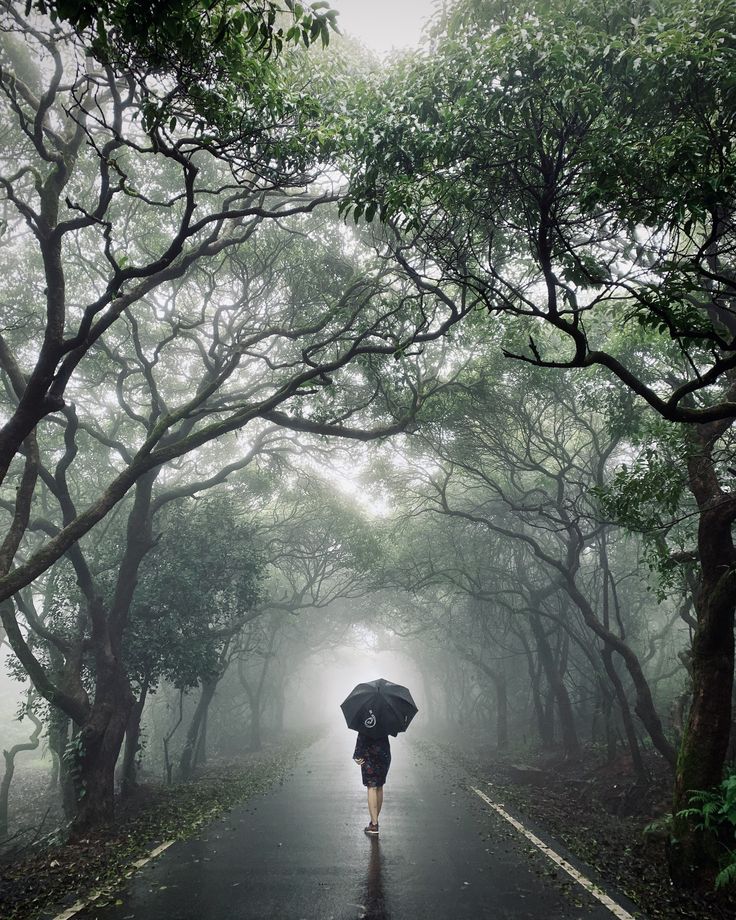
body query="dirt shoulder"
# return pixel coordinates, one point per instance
(45, 879)
(599, 814)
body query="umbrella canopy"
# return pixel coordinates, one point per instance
(378, 708)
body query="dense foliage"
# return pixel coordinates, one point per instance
(234, 262)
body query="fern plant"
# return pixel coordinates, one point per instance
(715, 811)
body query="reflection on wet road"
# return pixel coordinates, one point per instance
(374, 901)
(299, 853)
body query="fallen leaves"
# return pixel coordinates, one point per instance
(32, 884)
(579, 815)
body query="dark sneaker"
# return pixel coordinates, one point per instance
(372, 829)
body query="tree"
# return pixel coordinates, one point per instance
(198, 589)
(9, 757)
(207, 52)
(573, 165)
(517, 465)
(180, 305)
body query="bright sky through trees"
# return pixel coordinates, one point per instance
(385, 24)
(406, 353)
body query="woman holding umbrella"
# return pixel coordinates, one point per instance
(376, 710)
(373, 755)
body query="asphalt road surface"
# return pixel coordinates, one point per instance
(299, 853)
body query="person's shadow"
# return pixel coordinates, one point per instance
(374, 901)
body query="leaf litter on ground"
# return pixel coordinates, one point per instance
(598, 812)
(42, 881)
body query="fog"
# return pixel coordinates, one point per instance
(322, 683)
(368, 22)
(11, 698)
(328, 358)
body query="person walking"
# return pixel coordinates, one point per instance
(376, 709)
(373, 755)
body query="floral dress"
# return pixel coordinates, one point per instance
(377, 759)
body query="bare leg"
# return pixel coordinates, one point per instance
(380, 801)
(373, 806)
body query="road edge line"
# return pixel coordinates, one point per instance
(133, 867)
(95, 895)
(212, 815)
(555, 857)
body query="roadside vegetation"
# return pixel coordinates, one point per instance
(50, 873)
(305, 353)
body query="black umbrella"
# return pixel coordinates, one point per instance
(378, 708)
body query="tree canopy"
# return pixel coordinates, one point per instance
(299, 348)
(573, 165)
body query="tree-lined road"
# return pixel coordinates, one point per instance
(300, 852)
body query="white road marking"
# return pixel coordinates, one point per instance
(140, 863)
(94, 895)
(70, 912)
(589, 886)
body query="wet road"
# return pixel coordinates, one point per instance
(299, 853)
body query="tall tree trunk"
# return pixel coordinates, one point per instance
(58, 741)
(693, 855)
(625, 710)
(610, 593)
(99, 741)
(254, 730)
(502, 704)
(200, 754)
(254, 701)
(102, 732)
(186, 762)
(166, 740)
(502, 712)
(255, 694)
(534, 665)
(567, 570)
(644, 706)
(129, 771)
(570, 742)
(609, 725)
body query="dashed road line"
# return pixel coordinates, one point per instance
(555, 857)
